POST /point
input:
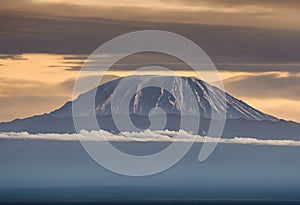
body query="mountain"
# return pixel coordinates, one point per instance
(208, 98)
(242, 119)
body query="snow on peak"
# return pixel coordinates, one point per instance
(209, 98)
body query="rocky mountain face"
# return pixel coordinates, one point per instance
(242, 120)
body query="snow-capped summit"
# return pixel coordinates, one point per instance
(209, 98)
(242, 119)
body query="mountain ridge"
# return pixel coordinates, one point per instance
(61, 119)
(208, 98)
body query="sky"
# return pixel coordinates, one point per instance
(254, 44)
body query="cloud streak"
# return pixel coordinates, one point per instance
(265, 86)
(235, 48)
(238, 48)
(262, 14)
(145, 136)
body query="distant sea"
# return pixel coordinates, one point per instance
(49, 171)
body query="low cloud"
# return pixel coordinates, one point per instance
(145, 136)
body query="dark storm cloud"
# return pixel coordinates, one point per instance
(77, 57)
(135, 61)
(270, 14)
(233, 48)
(12, 57)
(260, 67)
(144, 59)
(265, 86)
(224, 44)
(234, 3)
(73, 62)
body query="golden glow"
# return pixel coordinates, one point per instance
(41, 83)
(282, 108)
(36, 67)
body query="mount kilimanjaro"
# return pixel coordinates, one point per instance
(242, 120)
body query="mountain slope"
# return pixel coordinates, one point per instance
(208, 99)
(242, 119)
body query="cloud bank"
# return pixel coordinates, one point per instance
(234, 47)
(265, 86)
(145, 136)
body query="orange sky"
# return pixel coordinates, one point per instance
(254, 43)
(46, 79)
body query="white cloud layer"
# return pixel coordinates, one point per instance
(145, 136)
